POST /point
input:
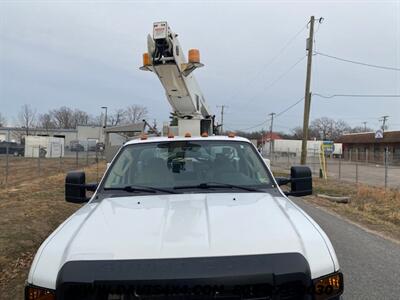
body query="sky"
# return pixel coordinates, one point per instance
(87, 54)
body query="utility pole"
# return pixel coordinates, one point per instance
(365, 126)
(105, 116)
(384, 119)
(270, 134)
(307, 95)
(222, 116)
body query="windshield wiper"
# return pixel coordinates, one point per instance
(216, 185)
(140, 188)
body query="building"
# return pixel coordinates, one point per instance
(367, 148)
(83, 133)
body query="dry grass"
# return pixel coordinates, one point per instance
(30, 212)
(374, 207)
(23, 169)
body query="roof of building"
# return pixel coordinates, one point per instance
(273, 136)
(135, 127)
(369, 138)
(34, 129)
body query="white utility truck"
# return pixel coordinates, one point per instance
(186, 217)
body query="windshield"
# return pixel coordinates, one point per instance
(188, 164)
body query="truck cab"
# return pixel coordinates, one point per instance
(187, 218)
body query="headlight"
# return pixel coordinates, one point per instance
(39, 293)
(328, 286)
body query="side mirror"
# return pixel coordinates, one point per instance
(300, 181)
(76, 187)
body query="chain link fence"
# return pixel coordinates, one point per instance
(379, 169)
(16, 169)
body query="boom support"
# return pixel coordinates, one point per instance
(166, 59)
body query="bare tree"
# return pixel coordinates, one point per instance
(63, 117)
(297, 133)
(329, 129)
(46, 121)
(136, 113)
(27, 117)
(80, 117)
(359, 129)
(3, 121)
(117, 118)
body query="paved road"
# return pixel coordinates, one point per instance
(370, 264)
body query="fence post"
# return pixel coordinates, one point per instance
(97, 166)
(288, 158)
(386, 166)
(7, 165)
(39, 162)
(60, 164)
(87, 156)
(356, 173)
(76, 159)
(340, 168)
(314, 162)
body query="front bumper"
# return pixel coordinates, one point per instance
(271, 276)
(233, 277)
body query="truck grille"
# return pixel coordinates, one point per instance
(280, 276)
(292, 290)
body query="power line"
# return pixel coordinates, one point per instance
(357, 62)
(356, 95)
(276, 115)
(272, 83)
(290, 107)
(254, 126)
(273, 59)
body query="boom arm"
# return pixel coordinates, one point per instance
(166, 59)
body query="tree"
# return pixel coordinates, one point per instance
(79, 117)
(62, 117)
(359, 129)
(118, 117)
(328, 129)
(3, 121)
(27, 117)
(136, 113)
(46, 121)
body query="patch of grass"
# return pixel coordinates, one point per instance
(375, 207)
(30, 212)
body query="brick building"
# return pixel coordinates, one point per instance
(365, 147)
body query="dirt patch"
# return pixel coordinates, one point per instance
(30, 212)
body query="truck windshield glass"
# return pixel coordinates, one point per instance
(180, 164)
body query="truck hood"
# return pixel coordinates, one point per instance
(184, 225)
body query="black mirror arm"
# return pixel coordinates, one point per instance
(91, 187)
(282, 180)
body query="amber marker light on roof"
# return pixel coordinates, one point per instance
(187, 135)
(170, 135)
(204, 134)
(194, 56)
(231, 134)
(146, 59)
(143, 137)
